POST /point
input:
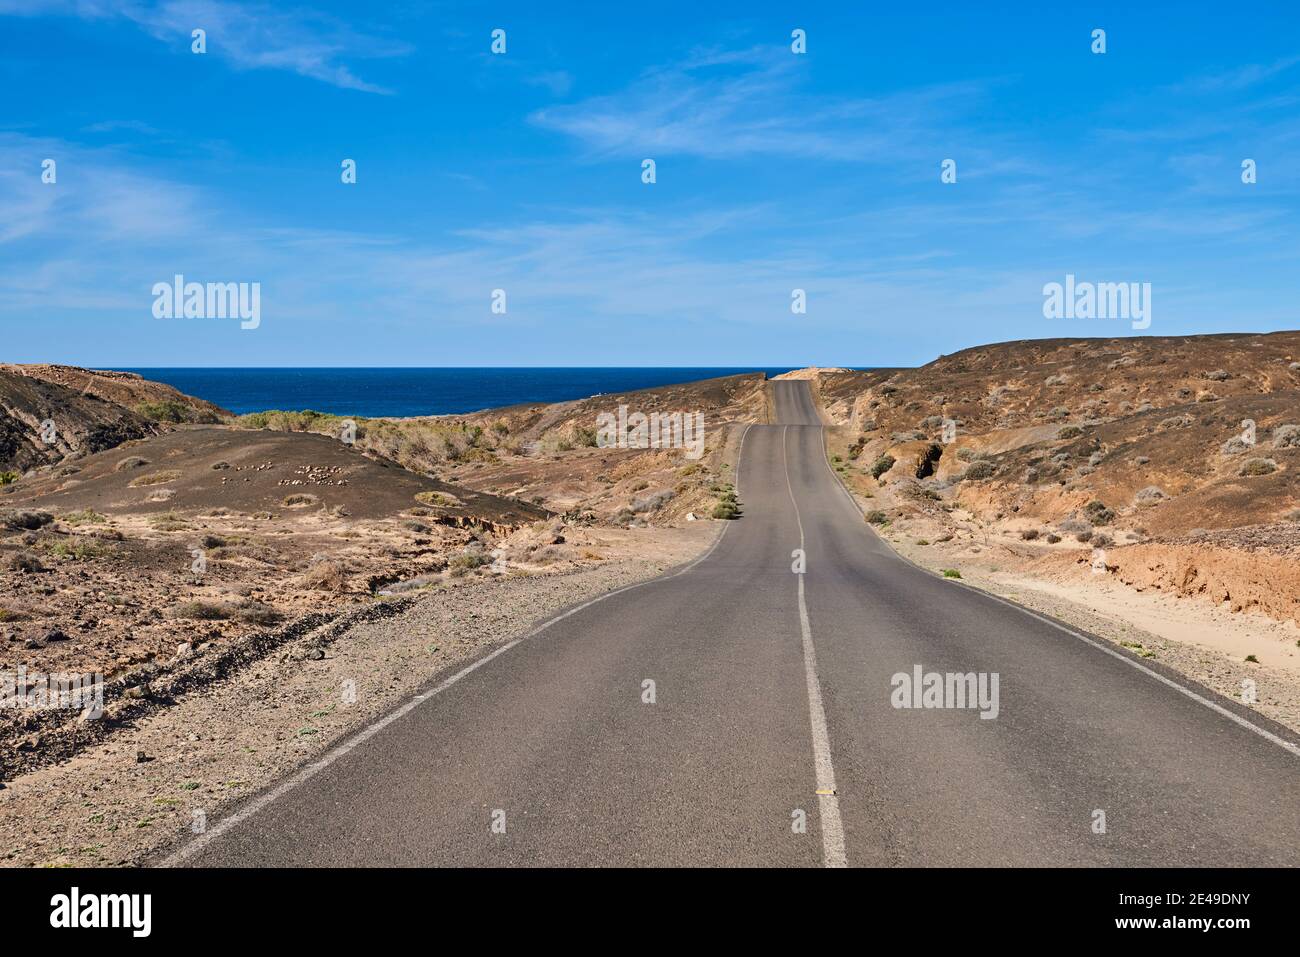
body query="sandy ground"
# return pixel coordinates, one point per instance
(151, 784)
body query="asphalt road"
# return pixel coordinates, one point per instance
(770, 686)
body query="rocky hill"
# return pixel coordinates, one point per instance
(49, 413)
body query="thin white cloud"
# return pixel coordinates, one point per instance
(114, 126)
(249, 35)
(1238, 78)
(724, 104)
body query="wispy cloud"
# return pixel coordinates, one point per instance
(250, 36)
(1238, 78)
(723, 104)
(114, 126)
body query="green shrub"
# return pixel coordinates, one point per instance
(170, 410)
(882, 465)
(77, 549)
(1098, 513)
(87, 516)
(155, 478)
(1258, 467)
(726, 510)
(951, 573)
(201, 611)
(471, 557)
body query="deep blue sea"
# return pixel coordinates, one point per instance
(399, 392)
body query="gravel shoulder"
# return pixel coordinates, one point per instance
(153, 783)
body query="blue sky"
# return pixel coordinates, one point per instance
(522, 172)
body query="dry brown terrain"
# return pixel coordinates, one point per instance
(185, 553)
(1078, 464)
(322, 560)
(50, 413)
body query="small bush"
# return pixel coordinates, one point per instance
(1258, 467)
(979, 469)
(876, 517)
(1069, 432)
(726, 510)
(25, 562)
(169, 410)
(327, 575)
(1053, 538)
(651, 503)
(1150, 495)
(472, 556)
(1286, 437)
(1098, 513)
(299, 500)
(257, 613)
(130, 462)
(87, 516)
(436, 499)
(201, 611)
(951, 573)
(29, 519)
(8, 478)
(1029, 534)
(155, 478)
(882, 465)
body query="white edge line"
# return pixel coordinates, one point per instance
(832, 825)
(183, 854)
(1214, 706)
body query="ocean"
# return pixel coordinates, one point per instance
(403, 392)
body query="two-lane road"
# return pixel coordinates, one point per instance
(768, 685)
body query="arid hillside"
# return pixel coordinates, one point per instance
(167, 554)
(1154, 450)
(49, 413)
(550, 454)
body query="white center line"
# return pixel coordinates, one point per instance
(828, 801)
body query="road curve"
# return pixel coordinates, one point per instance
(770, 686)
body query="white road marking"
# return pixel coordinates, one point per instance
(183, 854)
(833, 852)
(1200, 699)
(1132, 662)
